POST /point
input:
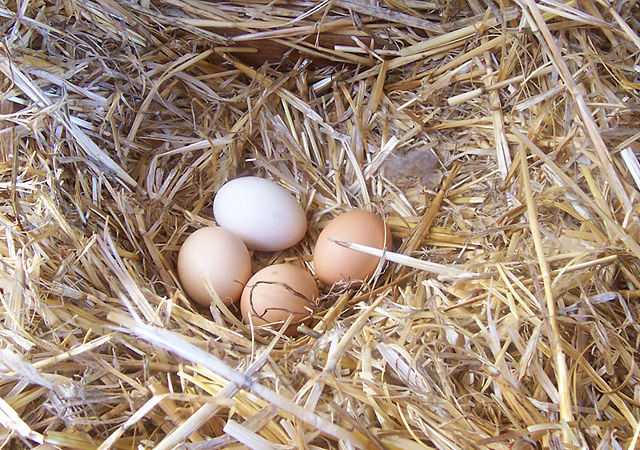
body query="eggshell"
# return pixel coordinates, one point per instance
(262, 213)
(276, 292)
(333, 262)
(216, 257)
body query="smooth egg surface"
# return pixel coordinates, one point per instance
(276, 292)
(215, 257)
(333, 263)
(261, 212)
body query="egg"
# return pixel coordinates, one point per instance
(333, 263)
(261, 212)
(276, 292)
(213, 257)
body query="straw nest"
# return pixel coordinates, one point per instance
(496, 137)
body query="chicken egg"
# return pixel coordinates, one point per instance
(261, 212)
(276, 292)
(213, 257)
(333, 263)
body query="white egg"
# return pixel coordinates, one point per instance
(261, 213)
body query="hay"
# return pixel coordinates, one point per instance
(507, 317)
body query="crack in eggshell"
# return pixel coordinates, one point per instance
(269, 309)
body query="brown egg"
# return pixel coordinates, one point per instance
(276, 292)
(333, 262)
(217, 258)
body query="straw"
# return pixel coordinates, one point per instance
(499, 142)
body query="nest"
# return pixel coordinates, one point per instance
(496, 137)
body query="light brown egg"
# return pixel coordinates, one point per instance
(333, 262)
(217, 258)
(276, 292)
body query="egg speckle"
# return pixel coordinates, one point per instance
(333, 263)
(276, 292)
(261, 212)
(216, 258)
